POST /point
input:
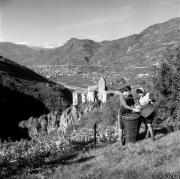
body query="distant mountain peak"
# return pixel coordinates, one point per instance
(151, 40)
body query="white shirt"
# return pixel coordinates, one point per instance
(144, 100)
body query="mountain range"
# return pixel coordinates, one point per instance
(142, 49)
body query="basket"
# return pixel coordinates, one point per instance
(131, 126)
(147, 110)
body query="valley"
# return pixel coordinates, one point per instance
(84, 61)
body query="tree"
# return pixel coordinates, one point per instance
(166, 82)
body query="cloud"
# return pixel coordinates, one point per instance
(51, 45)
(169, 2)
(22, 43)
(5, 2)
(117, 15)
(165, 2)
(0, 35)
(43, 45)
(94, 37)
(89, 23)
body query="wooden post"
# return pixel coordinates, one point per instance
(118, 126)
(95, 131)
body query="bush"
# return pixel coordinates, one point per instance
(101, 118)
(21, 156)
(105, 115)
(166, 82)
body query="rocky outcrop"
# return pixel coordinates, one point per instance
(42, 126)
(51, 123)
(56, 124)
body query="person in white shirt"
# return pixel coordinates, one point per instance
(144, 99)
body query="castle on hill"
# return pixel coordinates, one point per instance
(93, 93)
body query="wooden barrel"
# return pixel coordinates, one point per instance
(131, 124)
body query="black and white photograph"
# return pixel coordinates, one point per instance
(89, 89)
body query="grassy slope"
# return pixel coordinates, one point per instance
(144, 159)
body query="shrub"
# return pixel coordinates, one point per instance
(101, 117)
(166, 82)
(21, 156)
(105, 115)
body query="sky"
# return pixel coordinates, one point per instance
(52, 22)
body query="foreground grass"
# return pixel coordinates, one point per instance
(145, 159)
